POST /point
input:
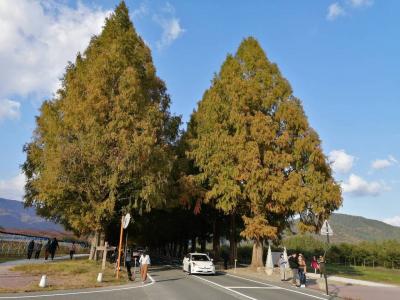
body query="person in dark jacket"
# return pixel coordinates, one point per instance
(47, 249)
(31, 246)
(53, 247)
(294, 265)
(128, 263)
(38, 248)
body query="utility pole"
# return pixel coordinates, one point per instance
(326, 230)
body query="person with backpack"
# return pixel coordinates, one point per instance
(294, 265)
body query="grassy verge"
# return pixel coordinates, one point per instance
(5, 259)
(73, 274)
(378, 274)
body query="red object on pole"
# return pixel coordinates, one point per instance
(120, 245)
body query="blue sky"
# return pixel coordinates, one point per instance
(341, 58)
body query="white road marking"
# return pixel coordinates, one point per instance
(282, 288)
(254, 287)
(226, 288)
(83, 292)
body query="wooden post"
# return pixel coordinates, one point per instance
(120, 245)
(103, 264)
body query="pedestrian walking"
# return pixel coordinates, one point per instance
(128, 263)
(47, 249)
(302, 270)
(282, 262)
(31, 246)
(53, 248)
(144, 261)
(72, 250)
(294, 265)
(38, 248)
(315, 264)
(321, 263)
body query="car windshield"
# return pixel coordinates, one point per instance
(200, 258)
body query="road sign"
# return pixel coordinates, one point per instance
(127, 218)
(326, 229)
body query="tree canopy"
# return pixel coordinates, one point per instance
(256, 151)
(104, 143)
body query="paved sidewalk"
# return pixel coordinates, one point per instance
(351, 281)
(346, 288)
(37, 261)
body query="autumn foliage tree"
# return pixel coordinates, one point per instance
(256, 152)
(103, 144)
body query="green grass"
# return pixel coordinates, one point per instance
(5, 259)
(377, 274)
(80, 273)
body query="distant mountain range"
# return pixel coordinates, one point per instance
(15, 218)
(346, 228)
(353, 229)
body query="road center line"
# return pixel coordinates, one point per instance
(282, 288)
(225, 288)
(83, 292)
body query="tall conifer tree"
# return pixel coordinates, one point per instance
(256, 151)
(104, 143)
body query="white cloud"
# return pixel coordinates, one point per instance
(335, 10)
(395, 221)
(359, 187)
(384, 163)
(9, 109)
(38, 38)
(341, 162)
(13, 188)
(361, 3)
(171, 27)
(141, 11)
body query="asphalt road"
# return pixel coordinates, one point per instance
(171, 283)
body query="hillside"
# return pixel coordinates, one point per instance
(355, 229)
(351, 229)
(14, 216)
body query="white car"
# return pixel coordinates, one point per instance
(198, 263)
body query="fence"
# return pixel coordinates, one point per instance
(371, 262)
(15, 245)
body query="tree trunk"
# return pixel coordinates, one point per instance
(193, 248)
(257, 256)
(93, 244)
(232, 239)
(174, 248)
(185, 247)
(216, 239)
(203, 244)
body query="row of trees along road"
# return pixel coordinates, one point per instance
(107, 144)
